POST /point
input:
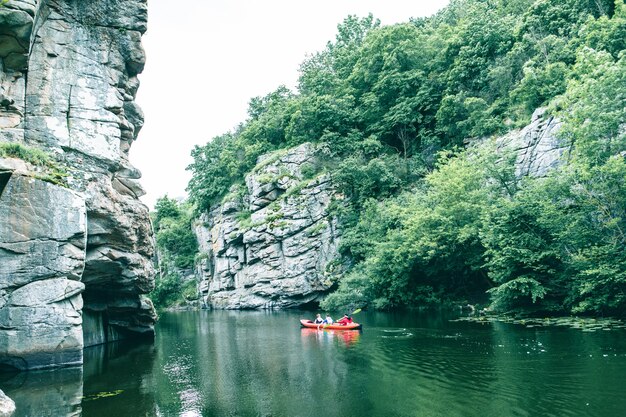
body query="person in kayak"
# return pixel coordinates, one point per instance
(328, 319)
(345, 320)
(319, 319)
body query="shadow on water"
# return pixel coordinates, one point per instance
(114, 377)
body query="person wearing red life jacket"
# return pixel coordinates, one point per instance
(345, 320)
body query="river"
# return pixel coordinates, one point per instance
(405, 364)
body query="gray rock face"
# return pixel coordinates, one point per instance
(537, 146)
(271, 245)
(68, 79)
(43, 237)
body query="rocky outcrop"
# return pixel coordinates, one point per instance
(271, 242)
(537, 145)
(7, 406)
(68, 78)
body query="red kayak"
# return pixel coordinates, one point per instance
(311, 325)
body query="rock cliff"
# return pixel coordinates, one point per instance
(68, 79)
(273, 244)
(272, 241)
(537, 145)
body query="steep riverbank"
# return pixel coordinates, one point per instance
(273, 241)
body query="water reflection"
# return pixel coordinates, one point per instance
(45, 393)
(119, 376)
(322, 336)
(262, 363)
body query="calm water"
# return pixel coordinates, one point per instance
(263, 364)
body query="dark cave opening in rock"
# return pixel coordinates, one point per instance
(4, 180)
(310, 306)
(110, 316)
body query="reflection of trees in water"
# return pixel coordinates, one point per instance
(262, 363)
(45, 393)
(256, 363)
(557, 371)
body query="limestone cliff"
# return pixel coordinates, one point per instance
(68, 79)
(271, 243)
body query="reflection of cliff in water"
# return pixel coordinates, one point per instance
(115, 376)
(45, 393)
(118, 376)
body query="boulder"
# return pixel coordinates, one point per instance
(7, 406)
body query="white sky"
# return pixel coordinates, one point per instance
(207, 58)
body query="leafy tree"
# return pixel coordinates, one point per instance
(323, 72)
(425, 245)
(593, 106)
(165, 207)
(607, 33)
(175, 239)
(177, 248)
(523, 252)
(598, 260)
(167, 291)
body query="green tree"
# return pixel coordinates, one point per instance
(174, 236)
(593, 107)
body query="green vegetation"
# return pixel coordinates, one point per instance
(425, 217)
(33, 156)
(172, 224)
(103, 394)
(538, 245)
(177, 249)
(49, 169)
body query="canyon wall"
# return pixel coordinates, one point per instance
(76, 254)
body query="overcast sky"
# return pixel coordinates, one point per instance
(207, 58)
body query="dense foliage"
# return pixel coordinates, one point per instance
(177, 249)
(548, 245)
(426, 218)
